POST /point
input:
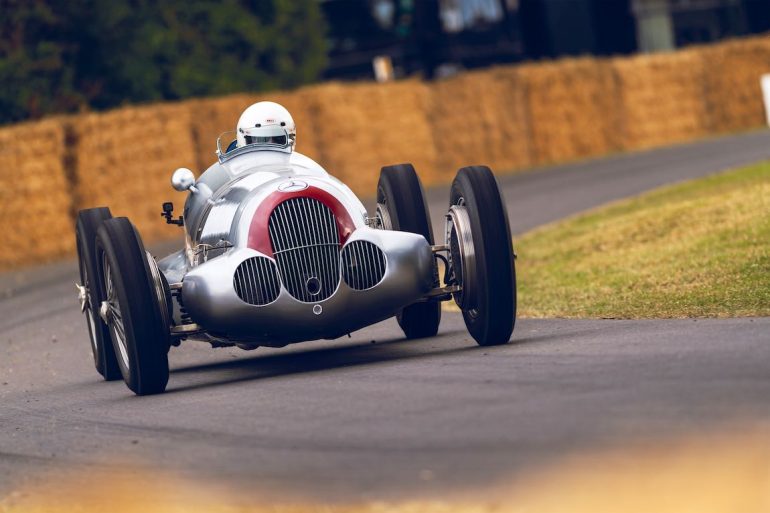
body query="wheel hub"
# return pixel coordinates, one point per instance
(82, 296)
(382, 214)
(462, 255)
(105, 312)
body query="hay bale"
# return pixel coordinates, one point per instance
(572, 109)
(125, 158)
(362, 127)
(480, 118)
(35, 203)
(732, 74)
(661, 98)
(211, 117)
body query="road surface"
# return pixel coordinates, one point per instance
(378, 417)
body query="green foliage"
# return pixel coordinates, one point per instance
(79, 54)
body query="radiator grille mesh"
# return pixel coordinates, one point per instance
(363, 265)
(256, 281)
(306, 245)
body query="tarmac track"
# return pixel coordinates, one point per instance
(376, 416)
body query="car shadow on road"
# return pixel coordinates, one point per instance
(552, 336)
(320, 360)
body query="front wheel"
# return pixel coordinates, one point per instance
(482, 256)
(133, 307)
(89, 290)
(401, 206)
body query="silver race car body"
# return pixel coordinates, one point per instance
(278, 251)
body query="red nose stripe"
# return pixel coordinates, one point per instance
(259, 235)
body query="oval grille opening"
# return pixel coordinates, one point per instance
(256, 281)
(306, 244)
(363, 265)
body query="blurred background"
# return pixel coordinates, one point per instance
(437, 37)
(101, 100)
(95, 54)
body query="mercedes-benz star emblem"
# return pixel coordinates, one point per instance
(292, 186)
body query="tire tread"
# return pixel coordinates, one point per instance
(146, 338)
(494, 255)
(400, 186)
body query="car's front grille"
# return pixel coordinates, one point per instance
(363, 265)
(256, 281)
(306, 245)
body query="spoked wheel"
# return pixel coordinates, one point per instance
(90, 291)
(401, 206)
(481, 256)
(135, 307)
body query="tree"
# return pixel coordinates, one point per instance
(65, 56)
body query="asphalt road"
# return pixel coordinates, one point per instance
(357, 419)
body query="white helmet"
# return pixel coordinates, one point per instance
(268, 124)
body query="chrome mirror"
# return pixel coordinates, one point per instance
(183, 180)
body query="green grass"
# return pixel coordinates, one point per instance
(696, 249)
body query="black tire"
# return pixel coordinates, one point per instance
(88, 223)
(492, 318)
(400, 191)
(142, 351)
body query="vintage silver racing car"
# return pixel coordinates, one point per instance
(277, 251)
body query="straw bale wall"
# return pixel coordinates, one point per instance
(125, 158)
(211, 117)
(365, 126)
(661, 98)
(509, 117)
(35, 200)
(572, 109)
(480, 118)
(733, 94)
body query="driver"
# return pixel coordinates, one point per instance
(268, 124)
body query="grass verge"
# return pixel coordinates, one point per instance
(696, 249)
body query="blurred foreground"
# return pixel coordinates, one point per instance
(713, 473)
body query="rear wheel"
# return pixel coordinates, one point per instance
(134, 307)
(90, 291)
(488, 302)
(401, 206)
